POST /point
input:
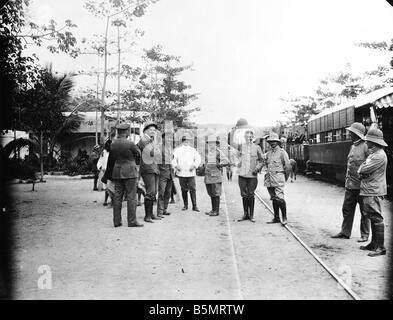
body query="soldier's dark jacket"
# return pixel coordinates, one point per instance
(122, 160)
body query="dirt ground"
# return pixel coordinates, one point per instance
(314, 211)
(187, 255)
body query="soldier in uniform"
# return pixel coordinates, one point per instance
(373, 188)
(213, 177)
(185, 160)
(149, 168)
(357, 154)
(250, 164)
(122, 170)
(278, 169)
(165, 183)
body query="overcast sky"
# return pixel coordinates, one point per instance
(246, 54)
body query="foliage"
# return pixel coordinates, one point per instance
(80, 164)
(160, 94)
(16, 33)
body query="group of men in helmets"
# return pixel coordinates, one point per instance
(365, 184)
(365, 177)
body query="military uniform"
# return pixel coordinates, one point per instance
(278, 169)
(149, 171)
(165, 182)
(123, 172)
(213, 176)
(373, 188)
(250, 164)
(356, 156)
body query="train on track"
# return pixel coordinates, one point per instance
(322, 145)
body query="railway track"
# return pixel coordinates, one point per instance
(313, 254)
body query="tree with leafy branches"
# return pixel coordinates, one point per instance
(124, 11)
(166, 96)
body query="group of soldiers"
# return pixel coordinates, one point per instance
(365, 184)
(158, 164)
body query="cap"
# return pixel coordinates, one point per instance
(122, 126)
(148, 125)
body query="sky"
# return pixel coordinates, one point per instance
(246, 54)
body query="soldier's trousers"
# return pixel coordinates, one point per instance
(187, 184)
(276, 193)
(371, 206)
(164, 194)
(247, 186)
(214, 189)
(125, 189)
(151, 185)
(351, 198)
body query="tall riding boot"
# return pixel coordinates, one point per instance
(212, 210)
(154, 217)
(131, 214)
(216, 207)
(276, 209)
(251, 202)
(380, 240)
(372, 245)
(184, 194)
(283, 208)
(245, 209)
(193, 200)
(117, 214)
(148, 206)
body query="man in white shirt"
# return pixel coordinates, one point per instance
(185, 161)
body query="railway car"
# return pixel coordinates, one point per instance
(329, 142)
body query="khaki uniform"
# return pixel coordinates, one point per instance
(278, 166)
(356, 156)
(373, 184)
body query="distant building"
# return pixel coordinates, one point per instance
(11, 135)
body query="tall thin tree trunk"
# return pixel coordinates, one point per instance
(41, 156)
(118, 76)
(103, 93)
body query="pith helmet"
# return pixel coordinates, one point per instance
(358, 129)
(241, 123)
(273, 137)
(375, 135)
(148, 125)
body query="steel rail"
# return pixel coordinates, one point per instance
(331, 272)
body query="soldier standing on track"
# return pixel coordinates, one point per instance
(250, 164)
(357, 155)
(185, 161)
(122, 170)
(165, 183)
(278, 169)
(373, 188)
(213, 177)
(149, 169)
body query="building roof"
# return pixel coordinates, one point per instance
(382, 98)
